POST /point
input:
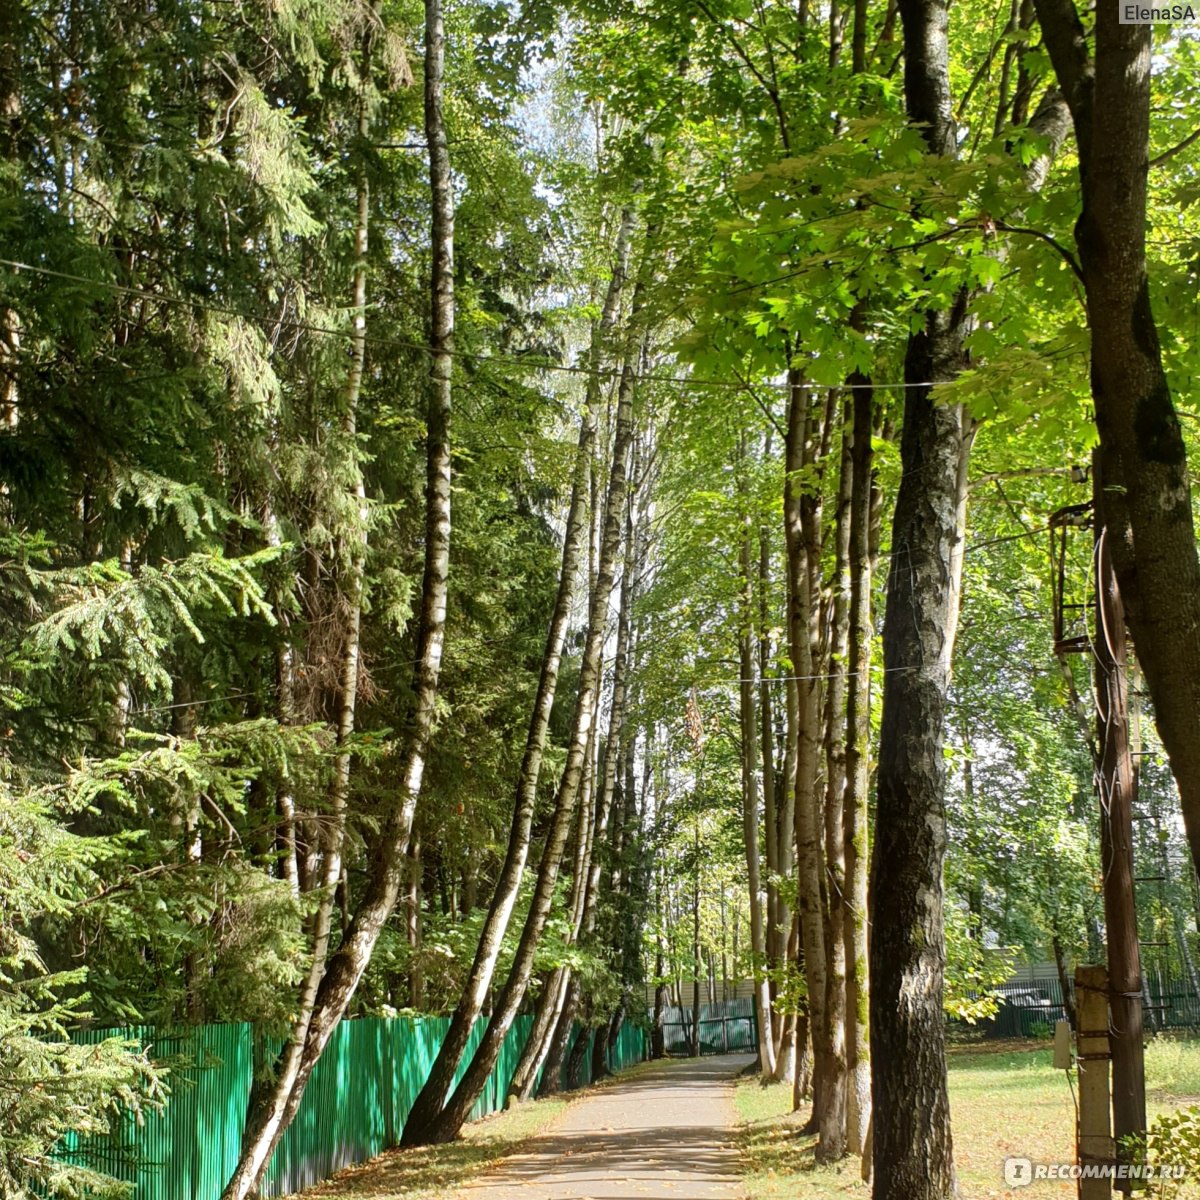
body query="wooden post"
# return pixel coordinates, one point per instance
(1094, 1141)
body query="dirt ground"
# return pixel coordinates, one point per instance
(664, 1134)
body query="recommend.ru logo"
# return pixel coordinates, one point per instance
(1021, 1172)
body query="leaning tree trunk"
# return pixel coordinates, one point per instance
(913, 1158)
(612, 745)
(541, 1051)
(275, 1111)
(549, 1038)
(611, 765)
(432, 1096)
(538, 1052)
(274, 1103)
(448, 1123)
(547, 1042)
(1146, 505)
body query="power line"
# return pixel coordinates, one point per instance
(404, 344)
(800, 678)
(141, 712)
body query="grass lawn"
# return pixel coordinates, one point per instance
(1005, 1099)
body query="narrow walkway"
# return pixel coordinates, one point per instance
(663, 1134)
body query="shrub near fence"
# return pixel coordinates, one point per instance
(354, 1107)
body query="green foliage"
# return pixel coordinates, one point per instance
(199, 498)
(49, 1086)
(1171, 1146)
(1173, 1065)
(972, 972)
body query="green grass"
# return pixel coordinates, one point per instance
(1005, 1099)
(1173, 1065)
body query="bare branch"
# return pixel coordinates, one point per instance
(1166, 154)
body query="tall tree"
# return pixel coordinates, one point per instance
(913, 1157)
(1146, 503)
(432, 1096)
(275, 1105)
(749, 730)
(858, 768)
(458, 1105)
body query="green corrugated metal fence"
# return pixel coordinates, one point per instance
(1031, 1009)
(354, 1107)
(727, 1027)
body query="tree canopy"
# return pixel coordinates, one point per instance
(560, 509)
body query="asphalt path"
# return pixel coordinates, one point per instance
(663, 1133)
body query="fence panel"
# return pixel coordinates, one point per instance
(725, 1028)
(354, 1107)
(630, 1047)
(1031, 1009)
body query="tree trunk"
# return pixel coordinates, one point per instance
(589, 869)
(446, 1125)
(1064, 982)
(773, 938)
(800, 622)
(539, 1045)
(579, 1052)
(412, 925)
(1116, 789)
(560, 1042)
(858, 748)
(634, 897)
(786, 1052)
(330, 983)
(832, 1120)
(913, 1157)
(749, 756)
(586, 885)
(555, 1025)
(432, 1096)
(661, 995)
(1146, 503)
(600, 1052)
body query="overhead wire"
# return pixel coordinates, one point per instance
(200, 304)
(523, 363)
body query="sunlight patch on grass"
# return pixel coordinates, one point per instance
(777, 1159)
(435, 1172)
(1173, 1066)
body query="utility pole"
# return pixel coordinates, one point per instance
(1116, 790)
